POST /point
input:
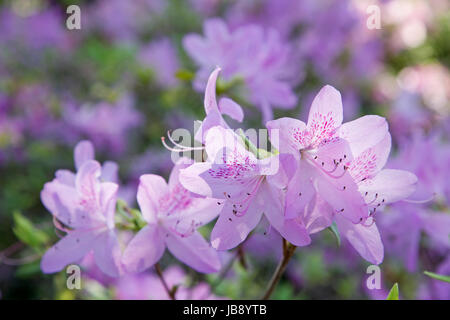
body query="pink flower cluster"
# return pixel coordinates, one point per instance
(322, 173)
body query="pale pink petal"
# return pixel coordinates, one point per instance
(365, 239)
(230, 230)
(288, 135)
(86, 180)
(191, 179)
(182, 163)
(300, 191)
(63, 202)
(231, 109)
(370, 161)
(363, 133)
(145, 249)
(108, 197)
(70, 249)
(151, 189)
(212, 119)
(292, 230)
(83, 152)
(194, 251)
(325, 115)
(286, 168)
(230, 170)
(199, 212)
(210, 101)
(317, 216)
(220, 139)
(388, 186)
(110, 172)
(107, 253)
(343, 196)
(65, 177)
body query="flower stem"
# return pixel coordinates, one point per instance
(170, 292)
(288, 252)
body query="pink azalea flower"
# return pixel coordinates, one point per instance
(214, 110)
(145, 286)
(247, 187)
(173, 215)
(243, 53)
(339, 172)
(83, 206)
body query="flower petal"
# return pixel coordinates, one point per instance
(318, 215)
(108, 197)
(151, 188)
(300, 191)
(230, 230)
(231, 109)
(194, 251)
(145, 249)
(288, 135)
(107, 253)
(210, 101)
(363, 133)
(388, 186)
(83, 152)
(325, 115)
(366, 240)
(70, 249)
(86, 180)
(110, 171)
(370, 161)
(292, 230)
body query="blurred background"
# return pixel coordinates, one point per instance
(137, 68)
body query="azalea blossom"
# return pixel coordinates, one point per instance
(173, 215)
(215, 110)
(243, 54)
(339, 174)
(145, 286)
(83, 205)
(247, 187)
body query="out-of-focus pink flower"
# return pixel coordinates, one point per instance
(146, 286)
(123, 21)
(86, 208)
(161, 57)
(403, 225)
(35, 31)
(258, 56)
(103, 123)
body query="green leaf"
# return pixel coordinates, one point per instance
(437, 276)
(393, 294)
(29, 270)
(333, 228)
(27, 233)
